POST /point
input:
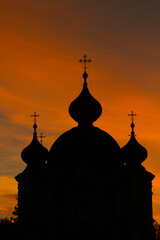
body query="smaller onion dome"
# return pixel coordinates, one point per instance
(133, 153)
(34, 153)
(85, 109)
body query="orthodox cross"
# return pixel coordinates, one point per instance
(85, 61)
(41, 137)
(132, 124)
(35, 117)
(132, 115)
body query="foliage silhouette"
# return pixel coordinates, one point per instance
(14, 217)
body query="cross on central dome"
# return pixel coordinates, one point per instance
(85, 109)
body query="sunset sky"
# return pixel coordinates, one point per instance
(41, 42)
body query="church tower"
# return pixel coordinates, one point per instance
(84, 162)
(137, 185)
(32, 187)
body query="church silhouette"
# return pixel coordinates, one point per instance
(86, 186)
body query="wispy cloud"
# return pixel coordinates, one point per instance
(40, 44)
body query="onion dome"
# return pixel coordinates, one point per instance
(34, 153)
(85, 109)
(133, 153)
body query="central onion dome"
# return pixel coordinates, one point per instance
(85, 109)
(133, 153)
(34, 153)
(85, 149)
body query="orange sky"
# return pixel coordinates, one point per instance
(40, 45)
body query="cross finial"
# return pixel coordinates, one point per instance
(35, 120)
(35, 115)
(85, 61)
(132, 115)
(41, 136)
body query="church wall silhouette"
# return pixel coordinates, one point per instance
(86, 186)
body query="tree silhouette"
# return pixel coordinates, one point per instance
(156, 229)
(14, 217)
(4, 221)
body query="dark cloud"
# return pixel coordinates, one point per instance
(9, 196)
